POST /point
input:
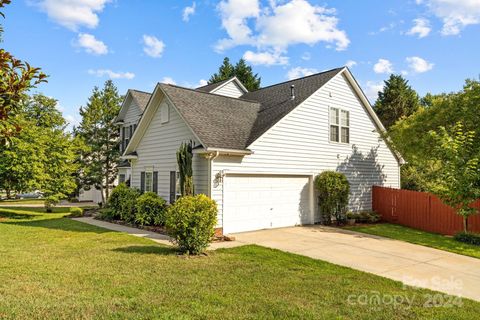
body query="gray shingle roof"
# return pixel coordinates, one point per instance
(218, 121)
(231, 123)
(213, 86)
(140, 98)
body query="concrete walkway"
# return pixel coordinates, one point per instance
(409, 263)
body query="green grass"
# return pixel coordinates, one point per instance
(428, 239)
(56, 268)
(21, 201)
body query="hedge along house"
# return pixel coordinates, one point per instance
(257, 153)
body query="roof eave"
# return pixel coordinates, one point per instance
(224, 151)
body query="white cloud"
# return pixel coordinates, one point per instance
(351, 63)
(455, 14)
(383, 66)
(299, 72)
(306, 56)
(91, 44)
(73, 120)
(188, 11)
(202, 83)
(277, 26)
(111, 74)
(419, 65)
(168, 80)
(153, 46)
(371, 90)
(265, 58)
(73, 14)
(421, 27)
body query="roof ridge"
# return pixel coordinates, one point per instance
(209, 93)
(141, 91)
(309, 76)
(210, 84)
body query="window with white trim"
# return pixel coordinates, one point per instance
(148, 181)
(339, 125)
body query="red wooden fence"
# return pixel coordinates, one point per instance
(420, 210)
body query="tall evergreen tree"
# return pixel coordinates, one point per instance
(397, 100)
(241, 70)
(101, 136)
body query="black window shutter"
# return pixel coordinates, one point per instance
(173, 184)
(142, 181)
(155, 181)
(123, 139)
(131, 131)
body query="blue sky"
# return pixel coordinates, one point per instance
(81, 43)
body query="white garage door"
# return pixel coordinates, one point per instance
(254, 202)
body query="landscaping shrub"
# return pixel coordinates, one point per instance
(76, 212)
(190, 221)
(333, 191)
(468, 237)
(107, 214)
(150, 209)
(123, 202)
(367, 217)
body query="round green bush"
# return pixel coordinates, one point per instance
(333, 191)
(150, 209)
(190, 221)
(122, 202)
(76, 212)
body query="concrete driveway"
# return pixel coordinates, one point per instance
(411, 264)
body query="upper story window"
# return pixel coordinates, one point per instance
(339, 125)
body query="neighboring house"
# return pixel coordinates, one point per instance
(257, 153)
(130, 113)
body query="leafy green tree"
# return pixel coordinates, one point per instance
(16, 79)
(397, 100)
(458, 183)
(241, 70)
(41, 156)
(411, 136)
(101, 137)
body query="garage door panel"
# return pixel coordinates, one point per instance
(260, 202)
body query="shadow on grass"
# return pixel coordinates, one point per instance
(15, 216)
(147, 250)
(63, 224)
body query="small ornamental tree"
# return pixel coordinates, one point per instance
(333, 191)
(458, 183)
(184, 161)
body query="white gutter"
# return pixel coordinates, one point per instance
(224, 151)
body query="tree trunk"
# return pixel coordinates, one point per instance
(8, 193)
(465, 224)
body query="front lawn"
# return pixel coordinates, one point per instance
(423, 238)
(56, 268)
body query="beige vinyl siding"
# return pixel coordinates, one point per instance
(157, 149)
(300, 143)
(231, 89)
(133, 114)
